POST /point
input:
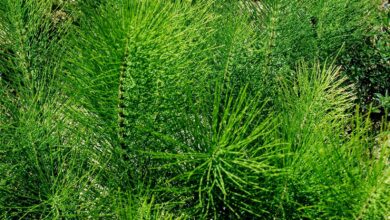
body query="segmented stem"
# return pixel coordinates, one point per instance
(121, 99)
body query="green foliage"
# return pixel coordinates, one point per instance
(327, 166)
(129, 206)
(223, 155)
(353, 31)
(367, 61)
(168, 109)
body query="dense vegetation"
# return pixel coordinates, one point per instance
(168, 109)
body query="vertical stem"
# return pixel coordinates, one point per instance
(121, 105)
